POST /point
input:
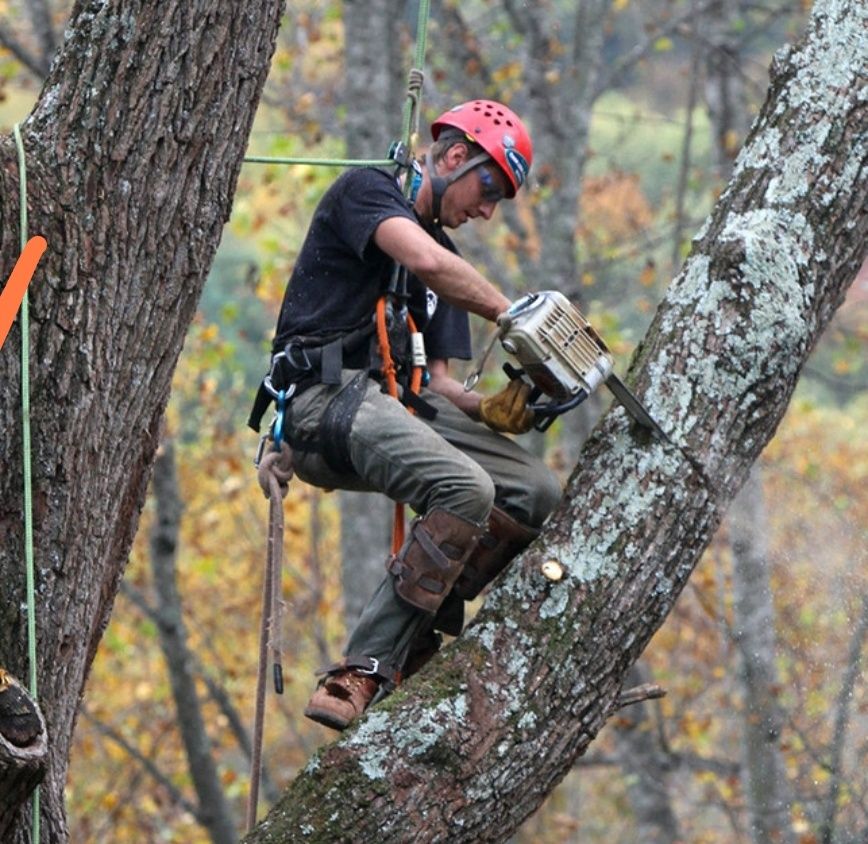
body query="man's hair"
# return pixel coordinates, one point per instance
(448, 138)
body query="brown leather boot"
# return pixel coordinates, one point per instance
(340, 698)
(348, 689)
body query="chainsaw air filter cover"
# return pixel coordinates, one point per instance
(555, 345)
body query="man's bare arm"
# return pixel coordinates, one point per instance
(448, 275)
(441, 382)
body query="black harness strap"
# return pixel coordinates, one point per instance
(331, 362)
(336, 423)
(305, 361)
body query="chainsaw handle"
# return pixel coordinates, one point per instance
(516, 374)
(545, 413)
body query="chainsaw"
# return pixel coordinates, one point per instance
(562, 357)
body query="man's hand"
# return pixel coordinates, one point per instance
(507, 410)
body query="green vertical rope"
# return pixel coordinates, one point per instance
(413, 105)
(25, 448)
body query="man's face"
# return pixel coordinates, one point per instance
(475, 194)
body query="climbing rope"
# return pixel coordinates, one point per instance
(26, 452)
(319, 162)
(275, 473)
(390, 376)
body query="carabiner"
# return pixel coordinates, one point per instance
(277, 428)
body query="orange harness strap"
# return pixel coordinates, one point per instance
(390, 375)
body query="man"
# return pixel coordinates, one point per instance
(480, 497)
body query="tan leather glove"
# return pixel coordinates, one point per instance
(507, 410)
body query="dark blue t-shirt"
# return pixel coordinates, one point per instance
(340, 272)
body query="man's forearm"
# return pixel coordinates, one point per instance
(447, 274)
(451, 389)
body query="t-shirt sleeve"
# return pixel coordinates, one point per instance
(368, 197)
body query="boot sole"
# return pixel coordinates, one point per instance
(326, 718)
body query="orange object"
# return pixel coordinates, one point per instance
(13, 293)
(390, 374)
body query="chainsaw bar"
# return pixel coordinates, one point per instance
(633, 406)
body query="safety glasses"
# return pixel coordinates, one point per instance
(491, 189)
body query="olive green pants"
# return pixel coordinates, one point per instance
(450, 462)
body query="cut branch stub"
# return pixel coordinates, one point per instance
(23, 748)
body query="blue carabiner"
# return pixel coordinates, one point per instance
(278, 420)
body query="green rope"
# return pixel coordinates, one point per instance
(25, 448)
(319, 162)
(413, 106)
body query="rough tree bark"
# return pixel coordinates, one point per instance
(133, 152)
(473, 744)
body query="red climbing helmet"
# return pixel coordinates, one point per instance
(498, 130)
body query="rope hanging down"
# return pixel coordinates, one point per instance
(275, 473)
(26, 452)
(412, 108)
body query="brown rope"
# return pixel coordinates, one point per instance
(275, 472)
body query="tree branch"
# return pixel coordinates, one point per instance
(147, 764)
(35, 64)
(23, 749)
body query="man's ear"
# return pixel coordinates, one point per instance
(457, 154)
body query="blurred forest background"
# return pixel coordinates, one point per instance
(637, 112)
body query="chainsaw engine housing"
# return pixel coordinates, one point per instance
(555, 345)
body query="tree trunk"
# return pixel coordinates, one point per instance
(133, 152)
(214, 812)
(768, 794)
(724, 83)
(560, 113)
(843, 707)
(471, 746)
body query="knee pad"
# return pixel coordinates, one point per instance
(432, 558)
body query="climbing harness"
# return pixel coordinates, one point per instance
(26, 451)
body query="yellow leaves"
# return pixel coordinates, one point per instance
(508, 78)
(109, 801)
(144, 690)
(731, 142)
(649, 273)
(693, 727)
(613, 209)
